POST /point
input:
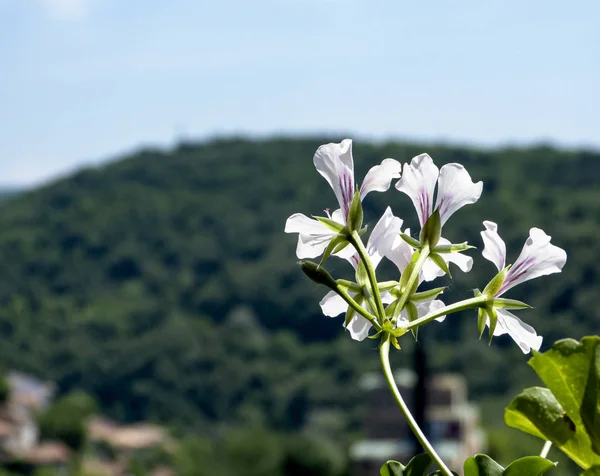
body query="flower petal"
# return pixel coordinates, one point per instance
(427, 307)
(494, 248)
(311, 246)
(333, 305)
(387, 297)
(299, 223)
(455, 190)
(400, 252)
(335, 163)
(538, 258)
(523, 334)
(383, 235)
(423, 308)
(378, 179)
(464, 262)
(313, 237)
(430, 270)
(418, 182)
(359, 327)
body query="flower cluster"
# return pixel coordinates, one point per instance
(394, 307)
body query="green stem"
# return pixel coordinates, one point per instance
(384, 350)
(414, 275)
(456, 307)
(364, 256)
(358, 308)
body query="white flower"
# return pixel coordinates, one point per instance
(400, 254)
(455, 190)
(380, 241)
(455, 187)
(335, 163)
(538, 258)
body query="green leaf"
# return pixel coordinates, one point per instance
(537, 412)
(414, 243)
(481, 321)
(418, 465)
(413, 315)
(355, 214)
(494, 286)
(440, 473)
(392, 468)
(503, 303)
(387, 285)
(408, 271)
(565, 369)
(439, 261)
(338, 243)
(452, 248)
(529, 466)
(593, 471)
(427, 295)
(331, 224)
(482, 465)
(432, 229)
(493, 317)
(350, 313)
(590, 406)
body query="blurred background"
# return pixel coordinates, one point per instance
(153, 320)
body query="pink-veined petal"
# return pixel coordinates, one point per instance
(455, 190)
(334, 162)
(383, 235)
(359, 327)
(400, 253)
(494, 248)
(378, 179)
(523, 334)
(418, 182)
(332, 304)
(538, 258)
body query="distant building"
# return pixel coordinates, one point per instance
(452, 423)
(19, 433)
(113, 446)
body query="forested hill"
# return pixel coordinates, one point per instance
(164, 284)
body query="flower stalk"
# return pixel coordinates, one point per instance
(358, 308)
(384, 351)
(364, 256)
(414, 276)
(471, 303)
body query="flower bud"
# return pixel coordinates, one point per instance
(317, 273)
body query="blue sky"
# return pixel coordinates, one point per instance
(82, 81)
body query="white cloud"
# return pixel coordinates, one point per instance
(67, 10)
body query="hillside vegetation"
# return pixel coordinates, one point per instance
(163, 283)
